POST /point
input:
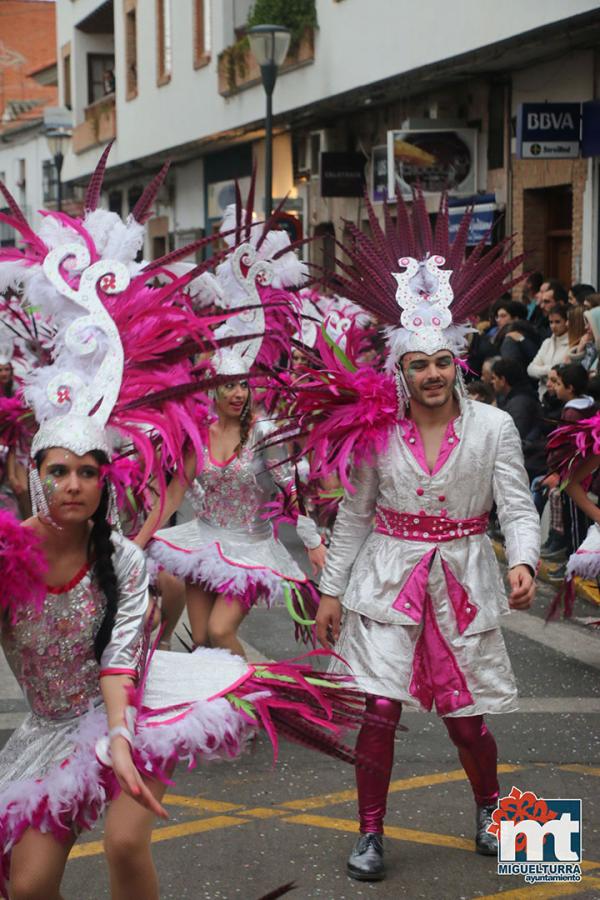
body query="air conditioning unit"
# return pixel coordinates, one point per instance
(310, 147)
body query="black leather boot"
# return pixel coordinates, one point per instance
(365, 863)
(485, 843)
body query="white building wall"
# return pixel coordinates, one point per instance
(395, 36)
(189, 196)
(33, 148)
(567, 79)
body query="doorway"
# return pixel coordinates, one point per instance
(548, 231)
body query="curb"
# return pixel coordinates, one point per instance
(586, 590)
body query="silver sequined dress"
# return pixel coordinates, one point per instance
(229, 547)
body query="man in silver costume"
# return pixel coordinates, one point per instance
(421, 592)
(412, 592)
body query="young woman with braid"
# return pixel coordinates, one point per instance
(80, 647)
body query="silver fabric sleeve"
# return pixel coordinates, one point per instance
(518, 517)
(353, 525)
(307, 531)
(123, 649)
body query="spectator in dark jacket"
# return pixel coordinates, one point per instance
(516, 396)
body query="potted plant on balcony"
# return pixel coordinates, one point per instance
(235, 65)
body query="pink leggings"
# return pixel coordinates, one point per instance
(476, 750)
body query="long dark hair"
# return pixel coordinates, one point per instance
(100, 548)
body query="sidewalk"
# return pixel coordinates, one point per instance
(586, 590)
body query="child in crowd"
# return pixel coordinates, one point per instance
(568, 525)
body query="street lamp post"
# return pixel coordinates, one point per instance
(58, 139)
(269, 45)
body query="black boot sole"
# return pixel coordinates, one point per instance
(364, 876)
(484, 852)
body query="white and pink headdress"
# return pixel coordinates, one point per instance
(120, 373)
(259, 280)
(417, 284)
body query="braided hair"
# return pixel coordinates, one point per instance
(100, 548)
(246, 419)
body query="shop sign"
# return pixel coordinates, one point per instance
(342, 174)
(379, 173)
(438, 160)
(480, 227)
(548, 130)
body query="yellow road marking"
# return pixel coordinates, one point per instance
(546, 891)
(169, 833)
(401, 784)
(583, 770)
(391, 831)
(200, 803)
(266, 812)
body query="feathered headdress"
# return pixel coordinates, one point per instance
(120, 371)
(259, 279)
(418, 284)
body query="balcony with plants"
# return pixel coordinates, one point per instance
(237, 67)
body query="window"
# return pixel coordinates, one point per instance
(49, 181)
(115, 202)
(66, 73)
(165, 49)
(101, 76)
(201, 33)
(131, 49)
(496, 106)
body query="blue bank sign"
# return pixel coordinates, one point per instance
(548, 130)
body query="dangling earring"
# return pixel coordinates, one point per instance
(39, 501)
(112, 516)
(459, 383)
(402, 392)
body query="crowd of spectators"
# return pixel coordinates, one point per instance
(538, 359)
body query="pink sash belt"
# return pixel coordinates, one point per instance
(431, 529)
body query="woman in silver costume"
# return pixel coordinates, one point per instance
(228, 554)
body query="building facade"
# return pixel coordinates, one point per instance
(439, 81)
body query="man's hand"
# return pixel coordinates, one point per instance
(523, 587)
(329, 617)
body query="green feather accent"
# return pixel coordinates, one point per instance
(287, 593)
(244, 705)
(345, 361)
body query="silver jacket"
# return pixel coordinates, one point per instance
(369, 569)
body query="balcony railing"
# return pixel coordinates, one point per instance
(98, 126)
(238, 69)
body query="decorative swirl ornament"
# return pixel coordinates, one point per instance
(83, 406)
(250, 273)
(81, 337)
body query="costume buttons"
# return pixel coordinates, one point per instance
(468, 609)
(457, 693)
(407, 605)
(420, 492)
(450, 440)
(441, 498)
(416, 521)
(412, 440)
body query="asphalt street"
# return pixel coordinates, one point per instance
(239, 830)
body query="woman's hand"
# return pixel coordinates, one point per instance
(130, 779)
(317, 557)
